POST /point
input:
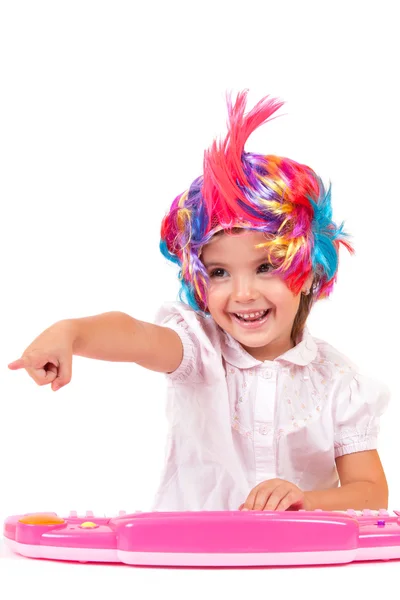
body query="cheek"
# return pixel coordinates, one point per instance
(216, 293)
(283, 298)
(216, 298)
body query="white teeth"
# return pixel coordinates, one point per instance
(251, 315)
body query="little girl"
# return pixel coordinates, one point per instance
(262, 416)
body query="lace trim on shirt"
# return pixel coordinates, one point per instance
(185, 369)
(351, 440)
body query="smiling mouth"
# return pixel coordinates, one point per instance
(258, 315)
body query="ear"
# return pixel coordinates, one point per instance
(308, 284)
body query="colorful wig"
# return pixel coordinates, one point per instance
(278, 196)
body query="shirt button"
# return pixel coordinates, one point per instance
(264, 430)
(266, 373)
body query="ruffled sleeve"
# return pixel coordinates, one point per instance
(200, 339)
(357, 411)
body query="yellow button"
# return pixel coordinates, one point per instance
(42, 519)
(88, 525)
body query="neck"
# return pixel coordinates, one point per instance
(270, 351)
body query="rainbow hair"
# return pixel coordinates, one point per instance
(278, 196)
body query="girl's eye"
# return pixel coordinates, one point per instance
(265, 268)
(217, 273)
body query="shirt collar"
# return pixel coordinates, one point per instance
(302, 354)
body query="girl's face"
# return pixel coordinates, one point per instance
(246, 298)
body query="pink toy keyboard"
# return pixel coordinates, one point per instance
(224, 538)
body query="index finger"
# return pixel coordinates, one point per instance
(249, 502)
(32, 361)
(251, 498)
(17, 364)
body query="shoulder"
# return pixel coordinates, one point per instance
(345, 376)
(200, 337)
(185, 320)
(331, 356)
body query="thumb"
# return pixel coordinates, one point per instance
(64, 374)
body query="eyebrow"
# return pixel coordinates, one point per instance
(208, 265)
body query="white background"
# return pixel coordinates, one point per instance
(105, 111)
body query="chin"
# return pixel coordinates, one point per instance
(253, 341)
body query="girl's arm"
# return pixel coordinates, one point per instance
(112, 336)
(363, 485)
(115, 336)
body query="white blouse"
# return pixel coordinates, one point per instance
(235, 421)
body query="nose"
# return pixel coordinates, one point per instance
(244, 289)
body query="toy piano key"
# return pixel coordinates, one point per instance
(224, 538)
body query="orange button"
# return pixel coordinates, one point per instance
(42, 519)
